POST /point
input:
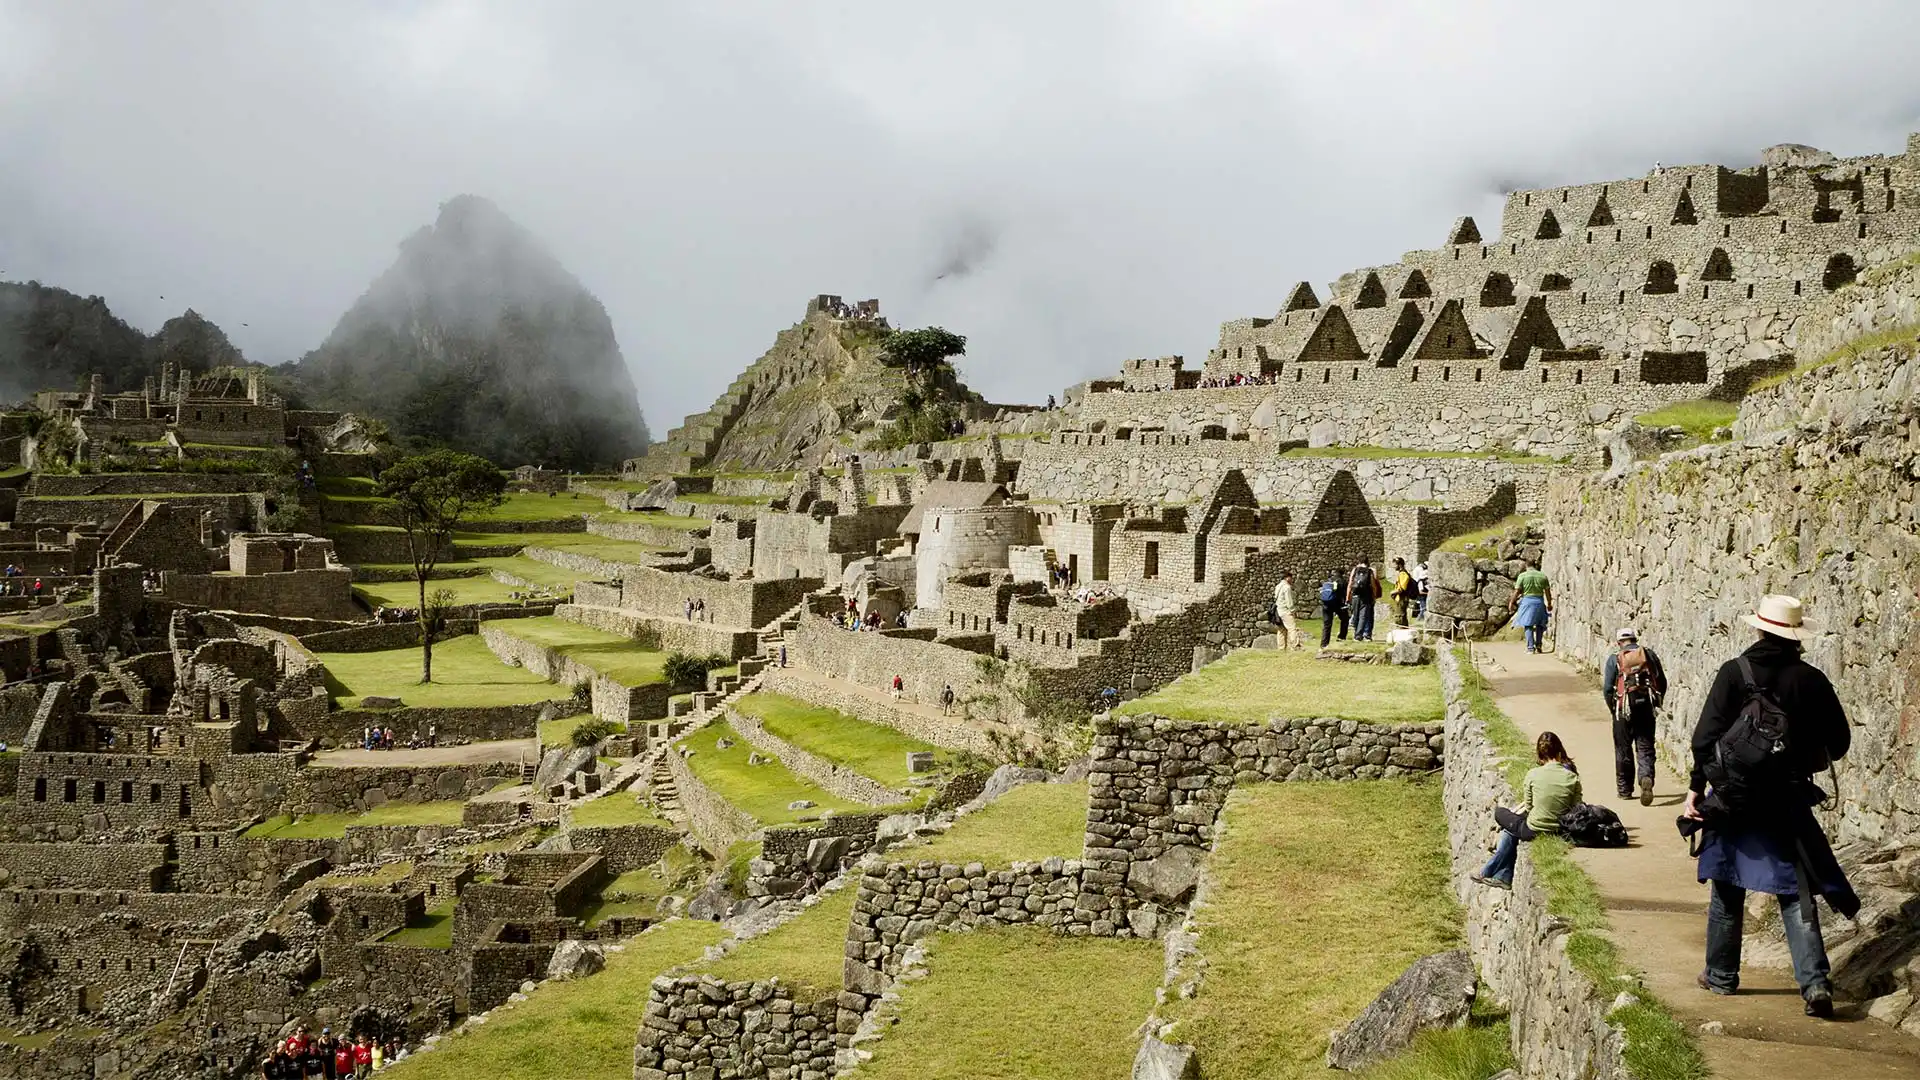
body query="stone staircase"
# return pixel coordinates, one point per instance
(662, 792)
(691, 446)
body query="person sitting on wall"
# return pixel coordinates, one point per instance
(1550, 789)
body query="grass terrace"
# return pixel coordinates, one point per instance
(1250, 685)
(326, 826)
(1022, 1004)
(596, 547)
(760, 791)
(577, 1028)
(637, 893)
(619, 808)
(480, 589)
(1028, 824)
(805, 952)
(465, 674)
(872, 750)
(621, 659)
(1300, 934)
(1697, 418)
(560, 732)
(708, 498)
(654, 517)
(434, 930)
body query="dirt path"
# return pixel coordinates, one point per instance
(1658, 908)
(471, 753)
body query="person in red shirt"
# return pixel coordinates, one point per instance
(343, 1059)
(297, 1042)
(363, 1057)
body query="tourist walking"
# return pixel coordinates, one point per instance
(1420, 590)
(1532, 605)
(1283, 616)
(1363, 588)
(899, 686)
(1771, 723)
(1633, 684)
(946, 699)
(1550, 790)
(1402, 592)
(1333, 605)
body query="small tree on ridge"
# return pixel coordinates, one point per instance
(431, 492)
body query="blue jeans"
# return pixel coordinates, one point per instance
(1363, 620)
(1534, 635)
(1505, 854)
(1726, 915)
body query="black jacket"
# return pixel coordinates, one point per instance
(1610, 677)
(1819, 733)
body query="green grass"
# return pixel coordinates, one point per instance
(465, 590)
(1697, 418)
(1030, 823)
(560, 732)
(529, 570)
(654, 517)
(387, 874)
(1904, 334)
(1299, 934)
(587, 544)
(465, 674)
(708, 498)
(1256, 684)
(316, 826)
(1022, 1004)
(804, 952)
(619, 658)
(637, 893)
(433, 931)
(1465, 543)
(579, 1028)
(619, 808)
(8, 472)
(1658, 1046)
(760, 791)
(1374, 452)
(1474, 1052)
(534, 506)
(877, 752)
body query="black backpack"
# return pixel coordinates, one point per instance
(1587, 825)
(1363, 580)
(1754, 756)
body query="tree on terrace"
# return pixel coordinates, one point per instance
(431, 493)
(922, 349)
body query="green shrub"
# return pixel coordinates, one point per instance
(687, 669)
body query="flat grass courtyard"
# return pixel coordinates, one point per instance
(587, 544)
(576, 1028)
(1028, 824)
(1255, 684)
(621, 659)
(1021, 1004)
(319, 826)
(761, 791)
(619, 808)
(1322, 894)
(872, 750)
(465, 674)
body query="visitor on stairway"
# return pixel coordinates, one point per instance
(1550, 789)
(1771, 723)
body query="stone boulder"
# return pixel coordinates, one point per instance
(576, 959)
(1169, 878)
(825, 852)
(1795, 156)
(374, 701)
(656, 497)
(894, 829)
(1165, 1061)
(1409, 654)
(560, 763)
(1007, 777)
(1435, 993)
(713, 902)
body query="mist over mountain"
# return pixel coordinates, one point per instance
(478, 338)
(52, 339)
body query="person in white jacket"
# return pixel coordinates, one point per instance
(1283, 613)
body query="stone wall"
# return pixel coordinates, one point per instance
(714, 821)
(626, 847)
(151, 484)
(327, 790)
(873, 659)
(700, 1026)
(953, 733)
(611, 700)
(130, 867)
(669, 537)
(837, 780)
(677, 634)
(1819, 500)
(739, 604)
(795, 858)
(317, 594)
(1558, 1015)
(453, 725)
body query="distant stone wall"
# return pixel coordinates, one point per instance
(668, 537)
(611, 700)
(715, 822)
(953, 733)
(308, 594)
(147, 484)
(130, 867)
(700, 1026)
(626, 847)
(836, 780)
(1558, 1016)
(677, 633)
(873, 659)
(327, 790)
(795, 858)
(452, 726)
(738, 604)
(1435, 527)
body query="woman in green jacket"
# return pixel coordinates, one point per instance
(1551, 789)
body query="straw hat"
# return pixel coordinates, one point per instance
(1781, 616)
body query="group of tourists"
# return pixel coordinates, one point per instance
(697, 610)
(1347, 598)
(334, 1057)
(14, 582)
(1771, 724)
(1214, 382)
(382, 738)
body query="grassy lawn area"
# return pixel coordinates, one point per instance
(1030, 823)
(873, 751)
(618, 658)
(587, 544)
(1300, 934)
(466, 590)
(465, 673)
(1697, 418)
(710, 499)
(560, 732)
(534, 506)
(579, 1028)
(637, 893)
(1022, 1004)
(1255, 684)
(761, 791)
(805, 951)
(433, 931)
(530, 570)
(311, 826)
(619, 808)
(654, 517)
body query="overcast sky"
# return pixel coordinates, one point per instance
(1094, 181)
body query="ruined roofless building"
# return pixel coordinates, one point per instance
(1592, 303)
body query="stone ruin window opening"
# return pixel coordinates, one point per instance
(153, 793)
(1644, 187)
(1527, 200)
(1152, 568)
(1661, 279)
(72, 792)
(1476, 374)
(1616, 376)
(1583, 299)
(1622, 297)
(1783, 227)
(1543, 374)
(1796, 288)
(1326, 376)
(39, 789)
(1513, 249)
(99, 791)
(1298, 374)
(1356, 375)
(1704, 293)
(1416, 375)
(1563, 194)
(1649, 232)
(1749, 292)
(1446, 374)
(1726, 230)
(1863, 228)
(186, 802)
(1579, 376)
(126, 791)
(1616, 236)
(1841, 270)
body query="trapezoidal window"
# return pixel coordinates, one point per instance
(1555, 283)
(1549, 227)
(1841, 270)
(1372, 293)
(1416, 287)
(1498, 291)
(1718, 268)
(1661, 279)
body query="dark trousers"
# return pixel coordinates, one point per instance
(1726, 920)
(1328, 613)
(1632, 746)
(1363, 620)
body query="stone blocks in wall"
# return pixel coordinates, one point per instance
(700, 1026)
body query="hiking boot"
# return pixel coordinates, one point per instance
(1700, 980)
(1646, 793)
(1820, 1005)
(1492, 882)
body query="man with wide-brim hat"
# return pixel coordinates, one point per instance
(1770, 723)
